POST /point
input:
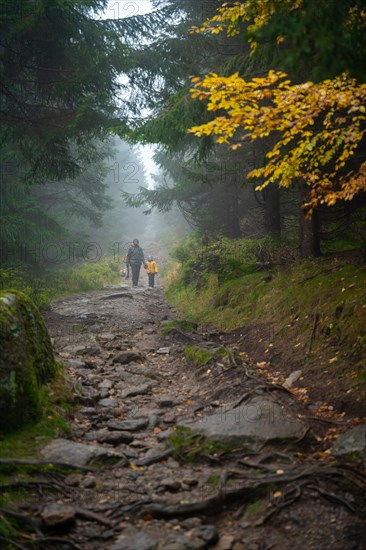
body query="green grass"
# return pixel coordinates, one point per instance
(179, 325)
(50, 284)
(332, 288)
(198, 356)
(255, 508)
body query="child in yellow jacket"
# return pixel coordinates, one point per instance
(152, 270)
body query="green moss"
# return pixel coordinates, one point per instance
(26, 360)
(255, 508)
(190, 446)
(198, 356)
(360, 378)
(214, 479)
(179, 325)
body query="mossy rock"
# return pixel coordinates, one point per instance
(26, 360)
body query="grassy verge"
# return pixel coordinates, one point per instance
(44, 287)
(308, 314)
(295, 294)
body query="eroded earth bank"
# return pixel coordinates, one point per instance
(178, 442)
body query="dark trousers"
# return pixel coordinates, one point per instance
(151, 279)
(135, 268)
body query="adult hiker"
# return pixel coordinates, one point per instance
(152, 270)
(135, 257)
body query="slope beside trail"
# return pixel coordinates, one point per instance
(141, 483)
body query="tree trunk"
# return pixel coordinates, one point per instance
(232, 224)
(309, 228)
(272, 211)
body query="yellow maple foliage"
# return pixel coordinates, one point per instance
(319, 128)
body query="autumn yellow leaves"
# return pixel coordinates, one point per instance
(318, 129)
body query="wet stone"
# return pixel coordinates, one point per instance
(178, 542)
(108, 384)
(163, 351)
(170, 418)
(74, 349)
(115, 438)
(117, 295)
(167, 402)
(89, 393)
(127, 357)
(57, 515)
(128, 425)
(96, 435)
(75, 363)
(208, 533)
(164, 434)
(190, 481)
(107, 402)
(294, 376)
(133, 539)
(259, 421)
(127, 451)
(107, 336)
(73, 480)
(226, 542)
(141, 370)
(137, 390)
(92, 350)
(173, 464)
(351, 443)
(88, 411)
(170, 485)
(89, 482)
(78, 454)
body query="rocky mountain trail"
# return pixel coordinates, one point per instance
(177, 441)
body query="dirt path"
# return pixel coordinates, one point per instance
(144, 489)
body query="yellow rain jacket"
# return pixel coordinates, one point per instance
(151, 266)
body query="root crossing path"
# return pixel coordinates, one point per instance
(177, 443)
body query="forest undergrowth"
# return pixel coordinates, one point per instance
(43, 285)
(288, 314)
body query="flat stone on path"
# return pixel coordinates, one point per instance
(135, 368)
(117, 295)
(125, 357)
(116, 438)
(78, 454)
(74, 349)
(128, 425)
(75, 363)
(108, 336)
(108, 402)
(137, 390)
(163, 351)
(258, 422)
(352, 443)
(133, 539)
(294, 376)
(56, 515)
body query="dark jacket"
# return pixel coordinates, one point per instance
(135, 255)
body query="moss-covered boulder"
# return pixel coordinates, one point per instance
(26, 360)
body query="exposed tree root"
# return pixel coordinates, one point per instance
(62, 465)
(13, 543)
(248, 490)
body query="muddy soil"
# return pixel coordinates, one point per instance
(132, 385)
